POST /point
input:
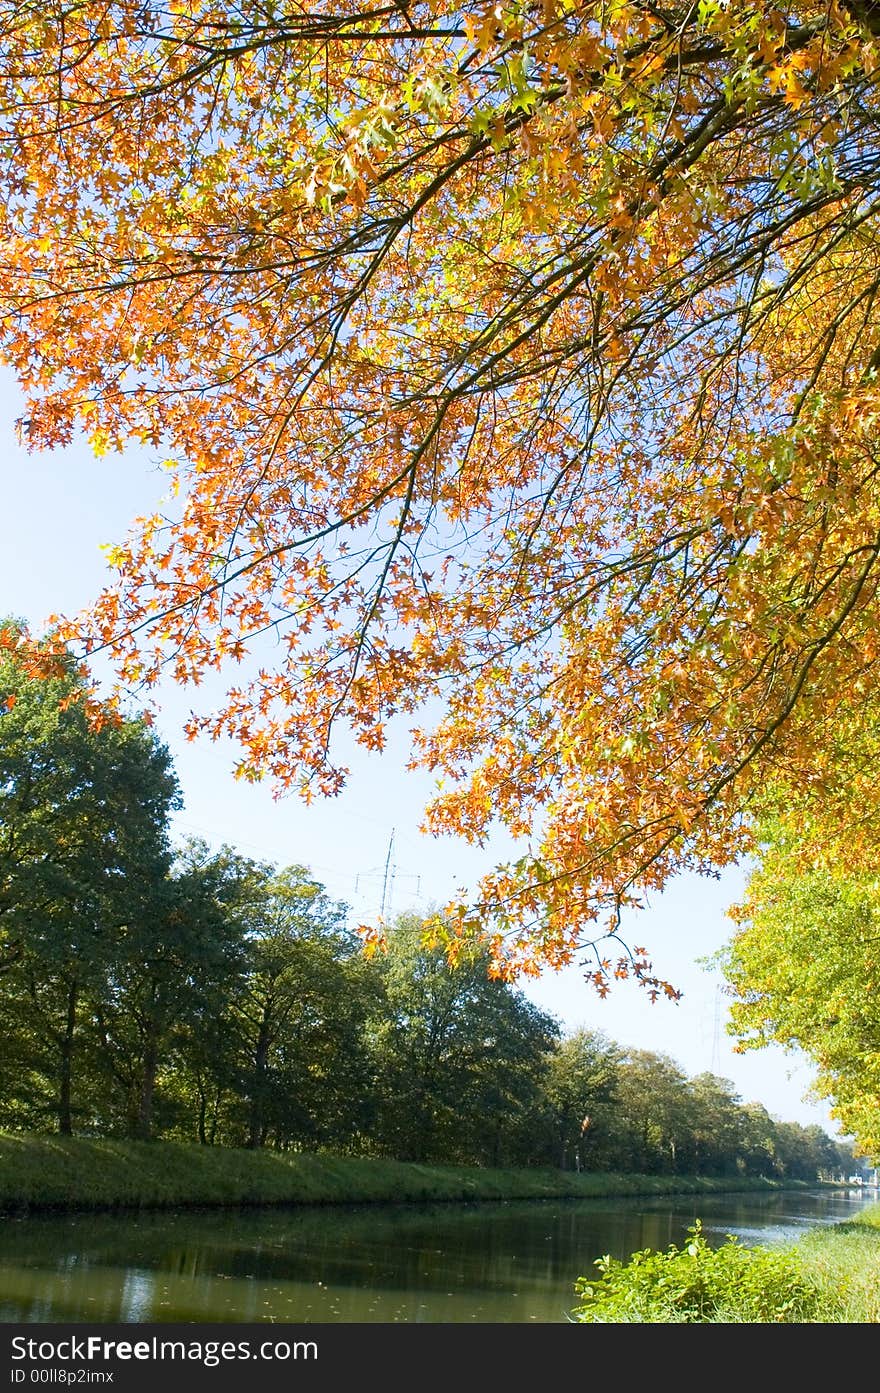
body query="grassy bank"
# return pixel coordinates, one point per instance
(50, 1172)
(843, 1263)
(830, 1276)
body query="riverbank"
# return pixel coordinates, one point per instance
(843, 1262)
(70, 1173)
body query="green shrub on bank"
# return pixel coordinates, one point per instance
(697, 1283)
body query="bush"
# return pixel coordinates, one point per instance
(699, 1283)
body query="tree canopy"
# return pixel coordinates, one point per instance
(85, 799)
(461, 1058)
(521, 357)
(803, 968)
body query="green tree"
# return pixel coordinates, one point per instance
(581, 1082)
(759, 1141)
(715, 1126)
(803, 969)
(85, 798)
(461, 1057)
(199, 1073)
(296, 1019)
(652, 1100)
(174, 969)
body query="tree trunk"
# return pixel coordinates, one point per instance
(257, 1128)
(203, 1110)
(65, 1118)
(215, 1116)
(144, 1122)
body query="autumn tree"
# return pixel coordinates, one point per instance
(521, 357)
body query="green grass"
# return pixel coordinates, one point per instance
(843, 1263)
(52, 1172)
(831, 1276)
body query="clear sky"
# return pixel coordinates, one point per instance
(365, 845)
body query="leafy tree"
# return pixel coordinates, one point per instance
(803, 1151)
(84, 803)
(759, 1141)
(580, 1087)
(174, 968)
(296, 1019)
(802, 969)
(652, 1103)
(200, 1073)
(460, 1057)
(521, 355)
(29, 1065)
(200, 1080)
(715, 1127)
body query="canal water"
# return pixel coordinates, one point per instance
(505, 1262)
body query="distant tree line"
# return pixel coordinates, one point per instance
(153, 991)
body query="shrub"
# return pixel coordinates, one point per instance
(699, 1283)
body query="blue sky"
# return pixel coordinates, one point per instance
(59, 508)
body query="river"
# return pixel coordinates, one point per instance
(504, 1262)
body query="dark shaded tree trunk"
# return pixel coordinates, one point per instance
(215, 1116)
(203, 1111)
(144, 1123)
(65, 1077)
(257, 1127)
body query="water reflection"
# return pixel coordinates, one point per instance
(513, 1262)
